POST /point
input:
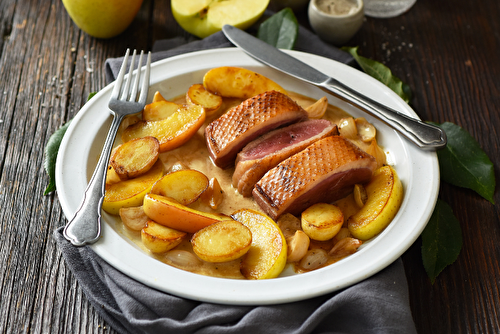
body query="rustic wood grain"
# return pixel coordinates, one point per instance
(447, 51)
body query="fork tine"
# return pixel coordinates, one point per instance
(119, 79)
(125, 92)
(133, 94)
(145, 82)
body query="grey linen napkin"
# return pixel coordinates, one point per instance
(379, 304)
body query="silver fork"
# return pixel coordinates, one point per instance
(85, 226)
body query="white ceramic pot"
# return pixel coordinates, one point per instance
(336, 21)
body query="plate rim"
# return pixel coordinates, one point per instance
(109, 240)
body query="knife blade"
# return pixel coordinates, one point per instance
(425, 136)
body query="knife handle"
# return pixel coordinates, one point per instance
(426, 136)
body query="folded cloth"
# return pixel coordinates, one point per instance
(379, 304)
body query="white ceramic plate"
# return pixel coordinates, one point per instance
(417, 169)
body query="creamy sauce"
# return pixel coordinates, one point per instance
(194, 155)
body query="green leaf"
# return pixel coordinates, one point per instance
(51, 151)
(51, 156)
(464, 164)
(441, 240)
(382, 73)
(280, 30)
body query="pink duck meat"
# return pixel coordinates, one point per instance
(267, 151)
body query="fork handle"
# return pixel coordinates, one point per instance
(85, 226)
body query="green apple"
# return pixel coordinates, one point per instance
(205, 17)
(102, 18)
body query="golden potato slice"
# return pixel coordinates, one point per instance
(238, 82)
(266, 257)
(156, 111)
(322, 221)
(171, 132)
(214, 194)
(135, 157)
(131, 192)
(385, 194)
(133, 217)
(160, 239)
(197, 94)
(170, 213)
(184, 186)
(223, 241)
(158, 97)
(318, 108)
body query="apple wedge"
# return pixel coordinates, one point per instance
(130, 192)
(184, 186)
(384, 197)
(222, 241)
(266, 257)
(171, 132)
(159, 110)
(170, 213)
(205, 17)
(160, 239)
(237, 82)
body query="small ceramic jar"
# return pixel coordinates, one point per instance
(336, 21)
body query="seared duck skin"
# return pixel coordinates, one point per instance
(267, 151)
(325, 171)
(228, 134)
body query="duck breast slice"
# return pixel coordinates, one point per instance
(325, 171)
(267, 151)
(228, 134)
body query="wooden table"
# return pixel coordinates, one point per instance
(448, 52)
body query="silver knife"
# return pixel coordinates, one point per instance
(426, 136)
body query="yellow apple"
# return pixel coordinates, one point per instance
(102, 18)
(266, 257)
(168, 212)
(131, 192)
(205, 17)
(385, 194)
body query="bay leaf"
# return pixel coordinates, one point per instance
(441, 240)
(382, 73)
(280, 30)
(464, 164)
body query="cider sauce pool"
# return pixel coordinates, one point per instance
(194, 155)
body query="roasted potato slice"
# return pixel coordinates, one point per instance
(197, 94)
(133, 217)
(184, 186)
(322, 221)
(318, 108)
(156, 111)
(267, 255)
(160, 239)
(171, 132)
(170, 213)
(385, 194)
(131, 192)
(135, 157)
(223, 241)
(214, 194)
(238, 82)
